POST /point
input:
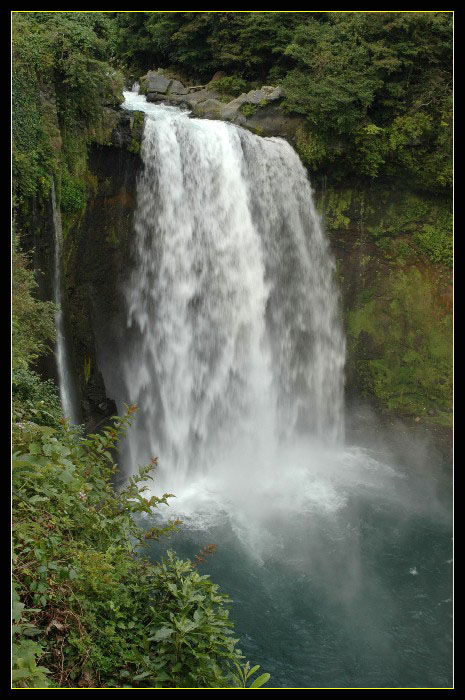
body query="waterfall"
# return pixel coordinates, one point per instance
(234, 344)
(65, 380)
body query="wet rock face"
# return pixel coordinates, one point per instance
(97, 253)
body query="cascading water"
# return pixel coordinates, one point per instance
(236, 345)
(65, 381)
(338, 562)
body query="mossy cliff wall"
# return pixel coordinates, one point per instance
(394, 254)
(96, 252)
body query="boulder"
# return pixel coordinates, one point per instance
(272, 93)
(157, 83)
(267, 93)
(177, 88)
(255, 97)
(210, 109)
(231, 110)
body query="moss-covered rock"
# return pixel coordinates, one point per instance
(96, 253)
(397, 296)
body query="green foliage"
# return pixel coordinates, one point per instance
(374, 88)
(427, 219)
(34, 399)
(25, 652)
(191, 627)
(33, 326)
(402, 342)
(61, 83)
(102, 615)
(230, 86)
(334, 81)
(337, 207)
(72, 194)
(371, 150)
(312, 148)
(435, 239)
(244, 673)
(248, 45)
(248, 110)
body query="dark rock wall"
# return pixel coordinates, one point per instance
(97, 261)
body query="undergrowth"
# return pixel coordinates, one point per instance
(88, 610)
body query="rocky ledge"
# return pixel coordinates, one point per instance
(257, 110)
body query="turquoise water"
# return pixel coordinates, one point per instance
(354, 596)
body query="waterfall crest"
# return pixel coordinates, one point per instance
(234, 342)
(65, 381)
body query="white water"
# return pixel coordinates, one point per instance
(67, 394)
(236, 348)
(234, 351)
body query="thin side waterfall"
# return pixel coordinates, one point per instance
(234, 343)
(65, 381)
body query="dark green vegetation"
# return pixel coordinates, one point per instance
(62, 85)
(88, 611)
(375, 88)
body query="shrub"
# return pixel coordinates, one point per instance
(34, 399)
(72, 194)
(102, 615)
(231, 85)
(33, 327)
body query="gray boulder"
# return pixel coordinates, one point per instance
(267, 93)
(157, 83)
(272, 93)
(177, 88)
(210, 109)
(231, 110)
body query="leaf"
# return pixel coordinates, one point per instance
(261, 680)
(252, 671)
(18, 674)
(66, 477)
(140, 676)
(38, 499)
(161, 634)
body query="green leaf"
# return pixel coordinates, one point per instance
(252, 671)
(261, 680)
(161, 634)
(140, 676)
(66, 477)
